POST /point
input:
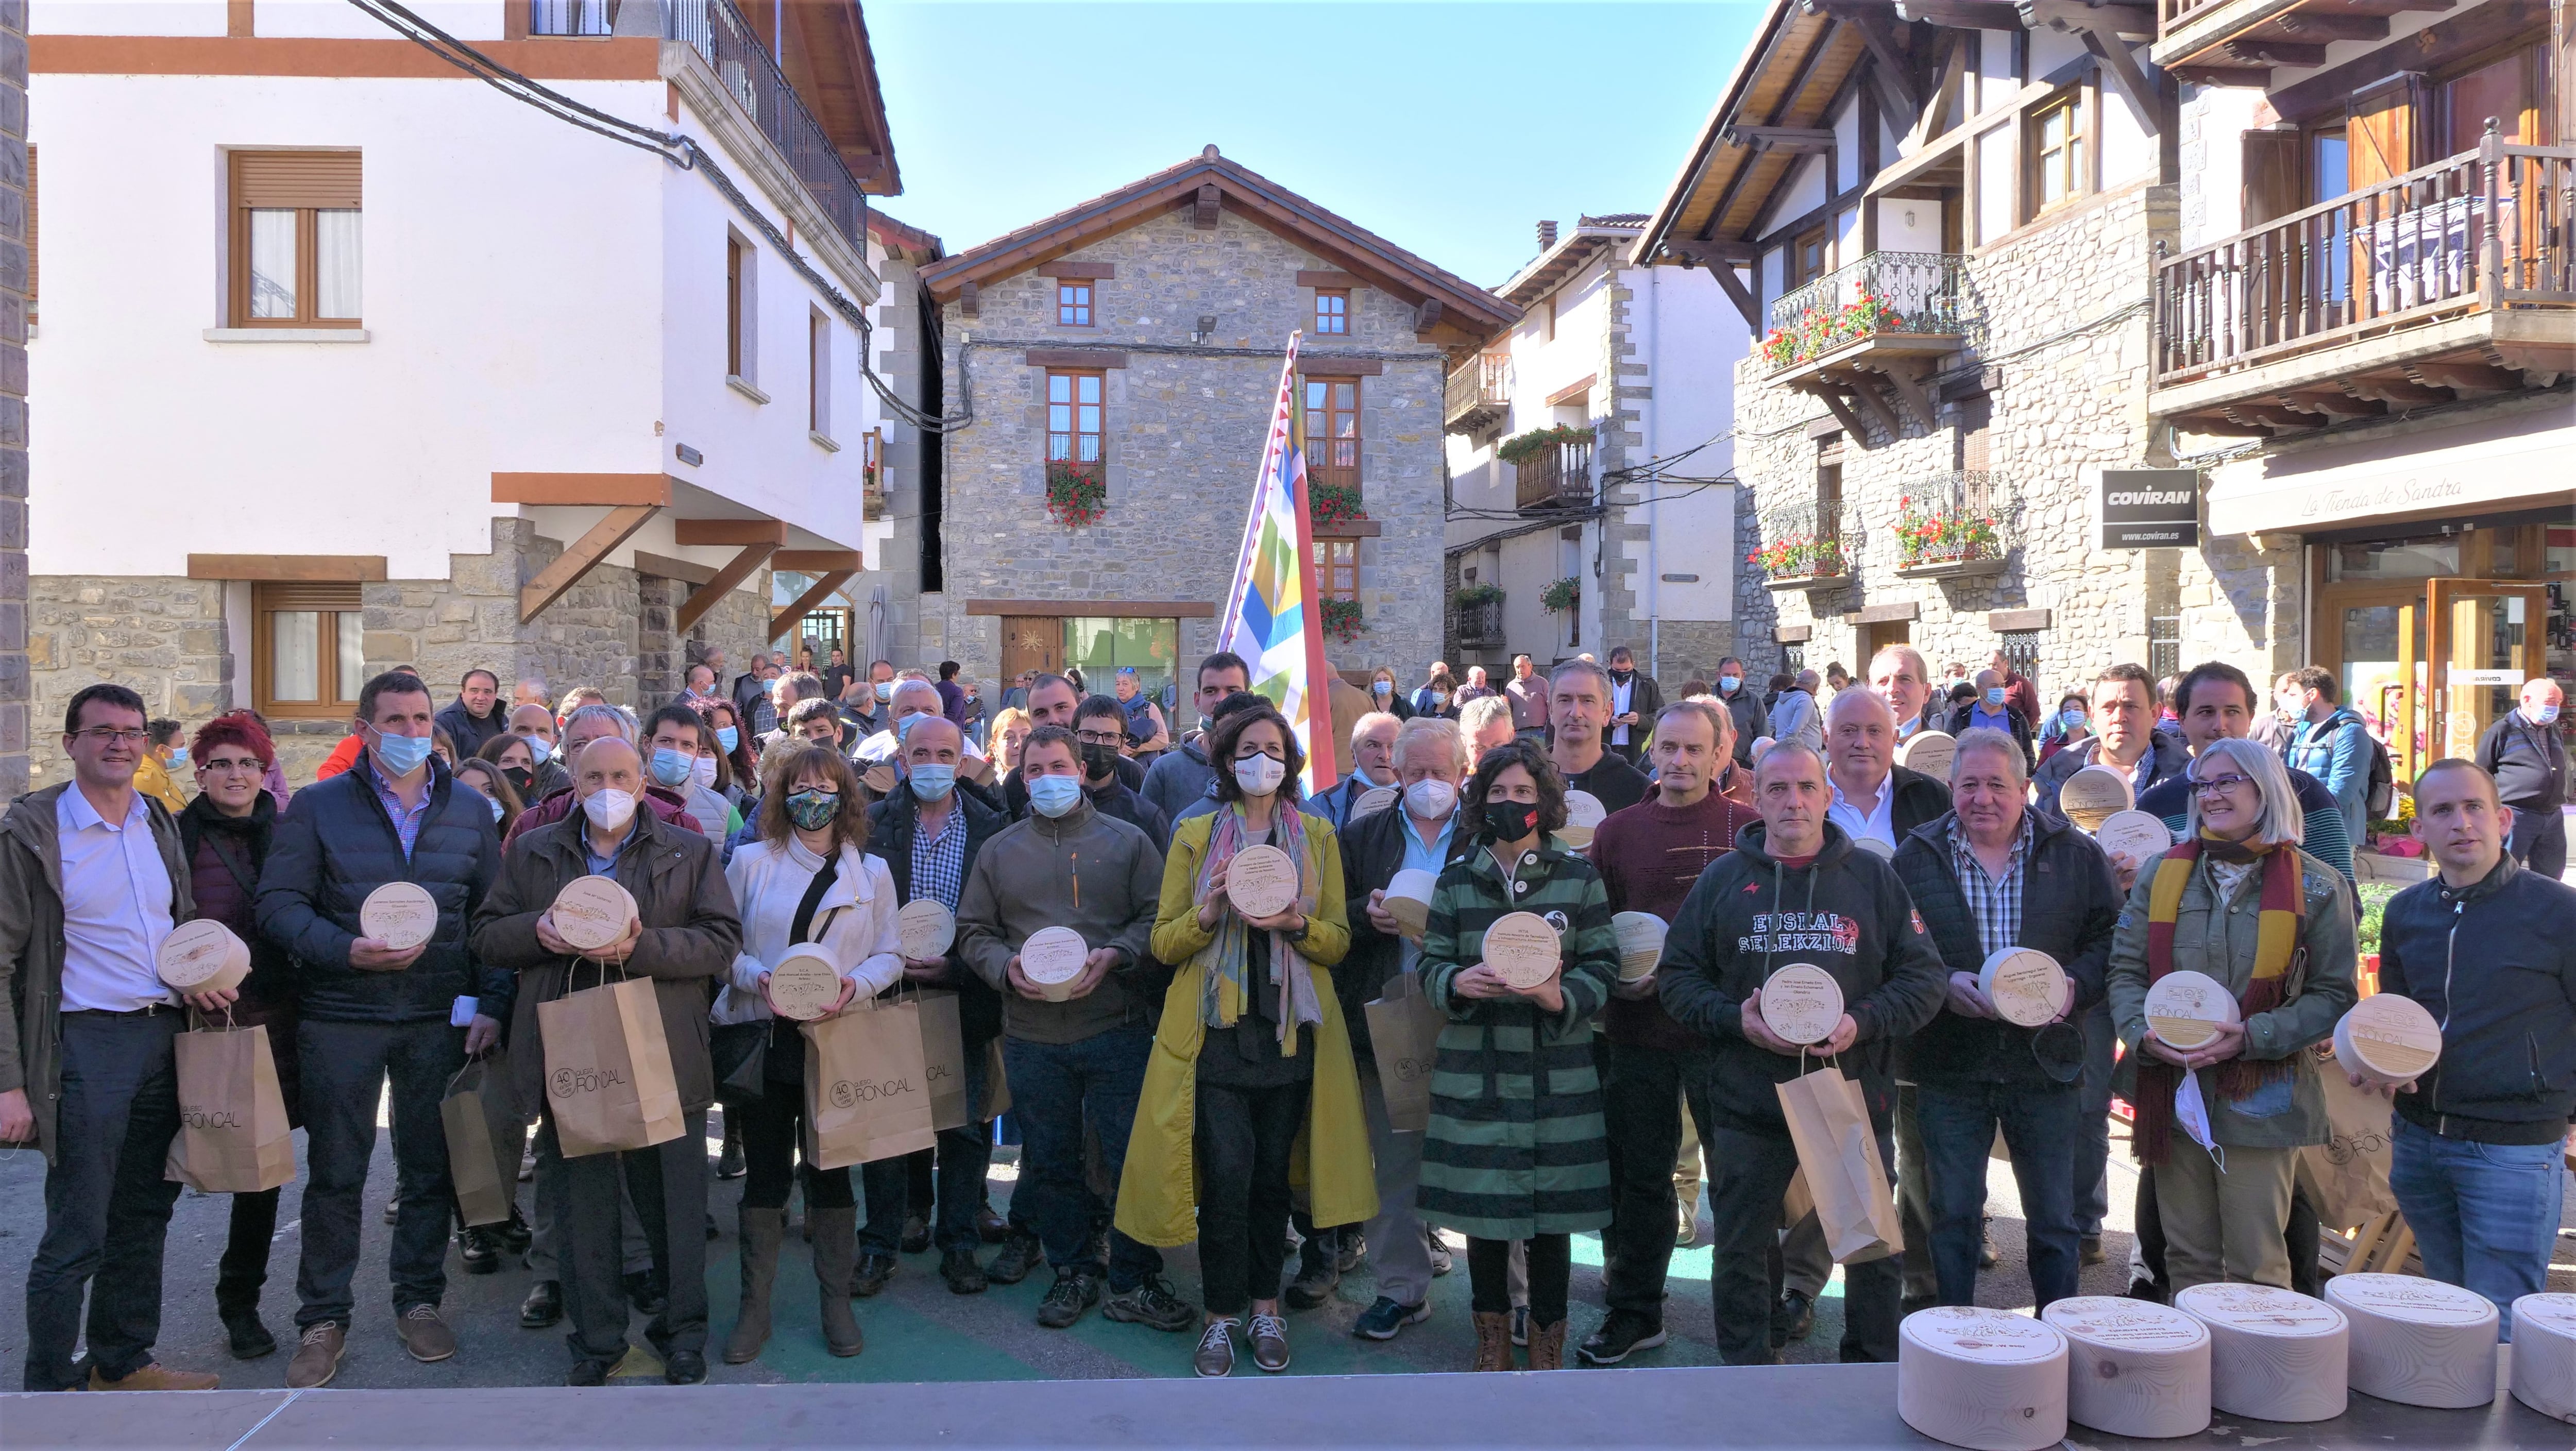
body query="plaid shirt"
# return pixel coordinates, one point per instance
(406, 823)
(939, 862)
(1996, 903)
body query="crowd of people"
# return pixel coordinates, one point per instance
(1209, 1077)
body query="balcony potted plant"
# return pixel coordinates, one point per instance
(1076, 494)
(1479, 594)
(1823, 328)
(1796, 558)
(1931, 537)
(1561, 595)
(1335, 503)
(1520, 448)
(1343, 620)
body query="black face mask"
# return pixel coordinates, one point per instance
(1098, 761)
(519, 777)
(1622, 676)
(1510, 820)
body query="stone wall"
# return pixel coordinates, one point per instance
(162, 637)
(15, 683)
(1184, 430)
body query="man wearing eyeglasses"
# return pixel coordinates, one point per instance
(1988, 875)
(1100, 733)
(91, 882)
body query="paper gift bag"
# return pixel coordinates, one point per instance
(1838, 1154)
(943, 1058)
(1404, 1034)
(2347, 1175)
(867, 1088)
(233, 1136)
(608, 1069)
(484, 1189)
(997, 1082)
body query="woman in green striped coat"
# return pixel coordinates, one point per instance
(1516, 1148)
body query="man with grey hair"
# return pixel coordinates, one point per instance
(1579, 696)
(1794, 716)
(1484, 724)
(590, 723)
(1372, 762)
(1476, 687)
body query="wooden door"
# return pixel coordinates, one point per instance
(1031, 643)
(2386, 118)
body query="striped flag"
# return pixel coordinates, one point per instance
(1272, 618)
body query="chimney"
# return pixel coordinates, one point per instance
(1546, 235)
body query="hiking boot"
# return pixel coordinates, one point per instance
(1382, 1320)
(759, 1233)
(1020, 1254)
(1621, 1333)
(1215, 1356)
(1352, 1249)
(1316, 1277)
(543, 1307)
(1793, 1317)
(1269, 1337)
(1547, 1347)
(869, 1279)
(1073, 1292)
(1493, 1341)
(317, 1356)
(424, 1334)
(916, 1236)
(151, 1376)
(1152, 1303)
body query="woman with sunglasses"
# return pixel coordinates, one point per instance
(2239, 901)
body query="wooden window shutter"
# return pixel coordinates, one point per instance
(31, 234)
(306, 595)
(323, 179)
(2385, 120)
(2272, 186)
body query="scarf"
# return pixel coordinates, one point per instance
(1224, 992)
(2278, 928)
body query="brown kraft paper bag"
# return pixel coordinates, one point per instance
(1404, 1037)
(484, 1189)
(867, 1087)
(233, 1136)
(608, 1069)
(943, 1057)
(997, 1082)
(2347, 1175)
(1838, 1157)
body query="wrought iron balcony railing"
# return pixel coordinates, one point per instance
(1910, 294)
(1961, 522)
(720, 35)
(1805, 544)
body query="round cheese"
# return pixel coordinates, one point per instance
(2026, 986)
(1583, 814)
(2137, 835)
(1875, 847)
(203, 956)
(1374, 800)
(2133, 1367)
(2418, 1342)
(1523, 949)
(1408, 900)
(1985, 1379)
(1053, 958)
(2183, 1006)
(2273, 1355)
(927, 927)
(1929, 752)
(879, 779)
(1261, 881)
(2544, 1354)
(402, 915)
(592, 912)
(1641, 942)
(2388, 1038)
(805, 983)
(2092, 794)
(1802, 1003)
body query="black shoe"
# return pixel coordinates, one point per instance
(646, 1296)
(965, 1277)
(515, 1236)
(1313, 1285)
(1072, 1293)
(2090, 1251)
(916, 1236)
(250, 1339)
(2149, 1291)
(1020, 1254)
(1622, 1332)
(871, 1275)
(729, 1159)
(1793, 1318)
(543, 1307)
(480, 1251)
(712, 1231)
(588, 1373)
(684, 1368)
(990, 1227)
(1520, 1324)
(1354, 1249)
(1384, 1319)
(1153, 1303)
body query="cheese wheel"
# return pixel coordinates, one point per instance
(2092, 794)
(2133, 1367)
(2026, 985)
(202, 956)
(2544, 1354)
(2137, 835)
(2418, 1342)
(1523, 949)
(2388, 1038)
(1261, 881)
(1583, 814)
(1929, 752)
(2273, 1355)
(1374, 800)
(1802, 1003)
(1053, 958)
(2183, 1005)
(927, 927)
(1641, 942)
(804, 983)
(592, 912)
(1985, 1379)
(402, 915)
(879, 779)
(1408, 900)
(1875, 847)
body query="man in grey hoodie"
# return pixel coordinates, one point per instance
(1179, 778)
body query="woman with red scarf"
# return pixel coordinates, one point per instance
(2237, 901)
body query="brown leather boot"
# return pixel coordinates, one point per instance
(1547, 1346)
(1493, 1340)
(836, 1253)
(760, 1232)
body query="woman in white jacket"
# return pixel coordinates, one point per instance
(809, 878)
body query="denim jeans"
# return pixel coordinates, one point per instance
(1749, 1172)
(1958, 1131)
(1052, 1085)
(2093, 1151)
(892, 1185)
(2485, 1215)
(107, 1208)
(2540, 841)
(1641, 1100)
(345, 1067)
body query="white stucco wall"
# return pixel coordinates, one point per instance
(1689, 336)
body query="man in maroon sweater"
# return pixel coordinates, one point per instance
(1648, 856)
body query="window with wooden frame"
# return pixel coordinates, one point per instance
(1337, 569)
(2055, 145)
(295, 239)
(1074, 417)
(1811, 256)
(1332, 310)
(1073, 302)
(737, 276)
(1333, 431)
(308, 649)
(818, 375)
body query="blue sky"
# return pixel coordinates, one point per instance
(1451, 129)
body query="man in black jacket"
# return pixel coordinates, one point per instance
(2525, 754)
(1109, 775)
(928, 832)
(1793, 890)
(2476, 1161)
(475, 716)
(1635, 701)
(371, 1011)
(1744, 707)
(1995, 874)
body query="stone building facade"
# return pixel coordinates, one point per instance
(1174, 298)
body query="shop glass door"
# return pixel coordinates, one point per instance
(2484, 640)
(2377, 644)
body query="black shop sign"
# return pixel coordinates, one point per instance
(2151, 508)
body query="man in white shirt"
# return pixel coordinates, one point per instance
(90, 1075)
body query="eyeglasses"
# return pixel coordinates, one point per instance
(229, 764)
(111, 736)
(2219, 785)
(1100, 738)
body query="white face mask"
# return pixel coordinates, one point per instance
(608, 808)
(704, 772)
(1259, 775)
(1430, 798)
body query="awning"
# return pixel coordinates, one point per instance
(2400, 476)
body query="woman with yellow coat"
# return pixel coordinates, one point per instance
(1252, 1066)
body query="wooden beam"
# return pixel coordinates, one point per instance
(2278, 416)
(283, 568)
(583, 555)
(785, 619)
(609, 490)
(1802, 140)
(1893, 75)
(2071, 15)
(2220, 424)
(2334, 403)
(970, 299)
(2464, 377)
(2122, 67)
(1078, 271)
(2277, 52)
(1853, 428)
(1878, 409)
(727, 532)
(1952, 64)
(1908, 376)
(1962, 14)
(666, 567)
(1736, 293)
(2328, 25)
(817, 561)
(2222, 75)
(708, 595)
(2395, 390)
(1132, 609)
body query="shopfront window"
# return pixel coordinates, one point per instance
(1099, 647)
(2431, 557)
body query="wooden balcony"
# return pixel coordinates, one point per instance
(2456, 279)
(2236, 42)
(1478, 394)
(1889, 316)
(1560, 477)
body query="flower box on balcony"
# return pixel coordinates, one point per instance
(1952, 540)
(1887, 302)
(1801, 562)
(1956, 567)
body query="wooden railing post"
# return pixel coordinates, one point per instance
(2491, 159)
